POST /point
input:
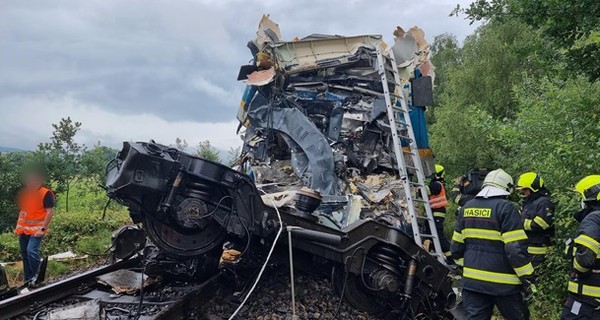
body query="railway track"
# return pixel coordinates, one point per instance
(88, 296)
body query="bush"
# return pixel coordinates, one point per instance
(82, 229)
(9, 247)
(97, 244)
(80, 232)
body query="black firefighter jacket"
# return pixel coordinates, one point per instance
(536, 212)
(585, 280)
(491, 245)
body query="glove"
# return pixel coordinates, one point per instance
(529, 289)
(533, 288)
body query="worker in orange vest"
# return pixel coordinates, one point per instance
(36, 205)
(438, 203)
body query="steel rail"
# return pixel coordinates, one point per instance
(195, 301)
(38, 298)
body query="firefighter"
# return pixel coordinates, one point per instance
(491, 245)
(536, 212)
(438, 203)
(467, 186)
(36, 204)
(457, 193)
(583, 302)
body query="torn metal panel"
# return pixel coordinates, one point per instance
(312, 157)
(319, 144)
(412, 53)
(404, 48)
(261, 78)
(125, 281)
(268, 32)
(311, 53)
(325, 118)
(279, 199)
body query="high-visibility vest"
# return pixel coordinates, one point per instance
(437, 201)
(32, 215)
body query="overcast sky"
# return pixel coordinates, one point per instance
(140, 70)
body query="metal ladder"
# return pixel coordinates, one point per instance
(399, 119)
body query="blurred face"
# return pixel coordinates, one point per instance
(32, 181)
(526, 192)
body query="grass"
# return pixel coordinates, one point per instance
(82, 230)
(54, 271)
(76, 231)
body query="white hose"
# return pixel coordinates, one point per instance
(266, 261)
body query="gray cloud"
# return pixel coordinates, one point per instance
(172, 62)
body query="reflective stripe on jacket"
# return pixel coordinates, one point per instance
(490, 243)
(32, 214)
(537, 214)
(586, 260)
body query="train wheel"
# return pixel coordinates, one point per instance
(356, 293)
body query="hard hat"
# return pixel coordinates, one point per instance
(439, 170)
(530, 180)
(589, 187)
(499, 179)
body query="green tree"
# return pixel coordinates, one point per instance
(62, 156)
(550, 126)
(476, 98)
(571, 25)
(207, 151)
(10, 176)
(445, 51)
(93, 162)
(492, 62)
(445, 56)
(557, 131)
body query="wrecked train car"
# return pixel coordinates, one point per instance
(314, 116)
(316, 162)
(192, 208)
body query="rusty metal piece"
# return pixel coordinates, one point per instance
(126, 241)
(261, 78)
(125, 281)
(230, 256)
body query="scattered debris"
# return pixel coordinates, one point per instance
(125, 281)
(89, 310)
(127, 241)
(320, 147)
(229, 256)
(68, 255)
(315, 117)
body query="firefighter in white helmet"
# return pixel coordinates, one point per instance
(491, 245)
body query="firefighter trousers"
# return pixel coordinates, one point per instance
(576, 310)
(444, 243)
(481, 306)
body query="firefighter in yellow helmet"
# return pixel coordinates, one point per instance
(583, 302)
(490, 243)
(537, 214)
(467, 186)
(438, 203)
